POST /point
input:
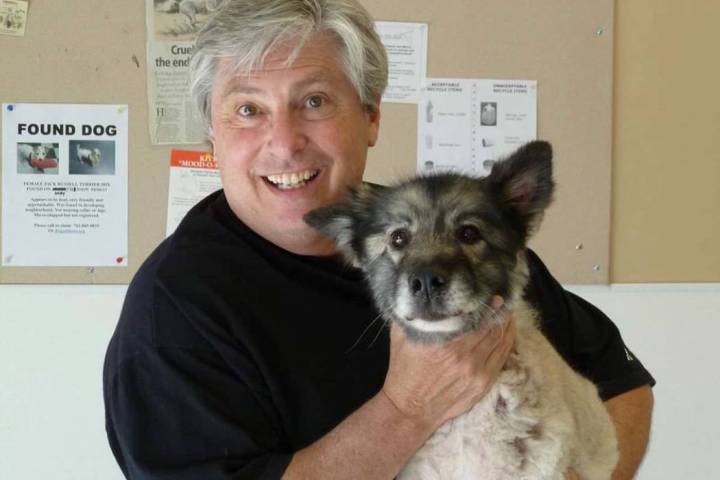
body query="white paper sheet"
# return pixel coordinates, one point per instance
(193, 176)
(64, 178)
(406, 46)
(465, 125)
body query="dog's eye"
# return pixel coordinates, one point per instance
(468, 234)
(400, 238)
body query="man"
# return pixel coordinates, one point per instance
(244, 348)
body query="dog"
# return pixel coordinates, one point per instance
(90, 157)
(37, 156)
(435, 249)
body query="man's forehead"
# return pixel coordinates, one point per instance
(304, 70)
(253, 81)
(318, 50)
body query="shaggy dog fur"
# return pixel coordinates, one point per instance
(435, 250)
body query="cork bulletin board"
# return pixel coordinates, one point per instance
(78, 51)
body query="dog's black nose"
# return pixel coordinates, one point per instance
(426, 282)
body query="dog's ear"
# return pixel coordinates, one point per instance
(342, 221)
(523, 183)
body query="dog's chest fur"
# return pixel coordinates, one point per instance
(539, 419)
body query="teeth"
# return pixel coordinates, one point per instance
(291, 180)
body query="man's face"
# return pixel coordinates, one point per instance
(289, 140)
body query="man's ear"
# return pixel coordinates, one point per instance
(373, 117)
(523, 183)
(342, 221)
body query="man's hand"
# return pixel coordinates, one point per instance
(425, 386)
(431, 384)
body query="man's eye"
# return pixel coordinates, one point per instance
(315, 101)
(247, 110)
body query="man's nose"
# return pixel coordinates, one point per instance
(287, 136)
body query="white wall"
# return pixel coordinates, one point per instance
(53, 340)
(52, 346)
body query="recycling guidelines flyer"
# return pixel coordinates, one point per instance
(466, 125)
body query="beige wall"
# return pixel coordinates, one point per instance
(666, 170)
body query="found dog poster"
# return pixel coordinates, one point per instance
(64, 185)
(406, 47)
(13, 17)
(172, 26)
(465, 125)
(193, 176)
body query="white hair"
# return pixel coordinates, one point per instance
(247, 30)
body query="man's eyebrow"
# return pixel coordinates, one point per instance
(234, 87)
(240, 86)
(319, 80)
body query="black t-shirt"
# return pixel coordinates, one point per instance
(231, 354)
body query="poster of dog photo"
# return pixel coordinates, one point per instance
(91, 157)
(181, 19)
(38, 158)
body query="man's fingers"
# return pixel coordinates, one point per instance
(498, 355)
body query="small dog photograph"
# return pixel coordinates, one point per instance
(91, 157)
(38, 158)
(181, 19)
(435, 250)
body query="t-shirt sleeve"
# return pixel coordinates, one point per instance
(179, 412)
(588, 340)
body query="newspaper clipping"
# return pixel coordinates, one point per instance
(64, 185)
(172, 27)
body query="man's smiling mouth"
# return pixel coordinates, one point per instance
(287, 181)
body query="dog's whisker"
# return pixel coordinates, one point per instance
(496, 315)
(380, 330)
(378, 317)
